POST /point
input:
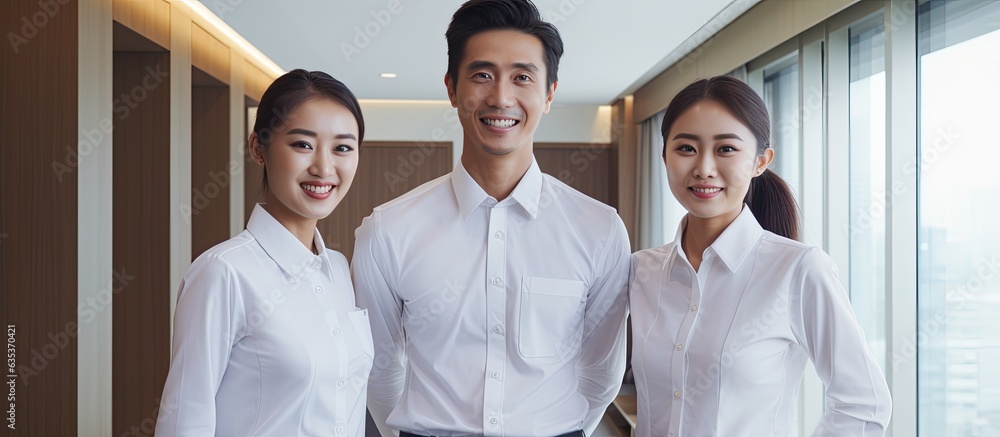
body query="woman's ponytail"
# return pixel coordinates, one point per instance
(771, 201)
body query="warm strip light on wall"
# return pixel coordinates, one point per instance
(216, 26)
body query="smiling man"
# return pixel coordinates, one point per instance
(496, 293)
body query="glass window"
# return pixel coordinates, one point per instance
(781, 93)
(958, 296)
(868, 194)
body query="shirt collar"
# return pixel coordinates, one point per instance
(470, 195)
(279, 244)
(734, 244)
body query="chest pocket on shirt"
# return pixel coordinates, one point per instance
(359, 320)
(551, 310)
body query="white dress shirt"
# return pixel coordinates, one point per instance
(267, 341)
(493, 318)
(721, 351)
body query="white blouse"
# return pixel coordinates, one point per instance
(267, 341)
(721, 351)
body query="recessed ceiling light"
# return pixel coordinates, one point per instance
(388, 75)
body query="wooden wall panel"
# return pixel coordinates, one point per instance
(141, 242)
(587, 167)
(209, 54)
(253, 173)
(149, 18)
(386, 171)
(38, 212)
(255, 81)
(210, 170)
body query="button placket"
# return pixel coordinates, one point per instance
(678, 363)
(496, 312)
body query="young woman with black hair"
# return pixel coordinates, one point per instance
(726, 316)
(267, 338)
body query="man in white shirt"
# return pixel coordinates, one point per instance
(496, 293)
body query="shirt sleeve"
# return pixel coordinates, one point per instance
(857, 397)
(602, 358)
(208, 321)
(373, 292)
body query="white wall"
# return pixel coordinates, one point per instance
(400, 120)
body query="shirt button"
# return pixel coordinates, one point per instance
(497, 281)
(340, 382)
(319, 289)
(497, 329)
(498, 235)
(336, 331)
(491, 201)
(495, 375)
(680, 346)
(694, 307)
(677, 394)
(494, 420)
(340, 429)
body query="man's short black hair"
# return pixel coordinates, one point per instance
(477, 16)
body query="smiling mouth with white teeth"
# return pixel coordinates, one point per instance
(317, 189)
(706, 190)
(499, 122)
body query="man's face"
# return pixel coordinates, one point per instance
(501, 92)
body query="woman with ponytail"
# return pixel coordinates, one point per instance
(725, 318)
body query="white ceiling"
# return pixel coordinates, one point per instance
(611, 46)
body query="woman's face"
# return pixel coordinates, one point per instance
(311, 160)
(711, 158)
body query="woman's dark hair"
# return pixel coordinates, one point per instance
(292, 89)
(769, 198)
(477, 16)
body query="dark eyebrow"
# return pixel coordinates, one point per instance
(526, 66)
(475, 65)
(300, 131)
(727, 137)
(306, 132)
(717, 137)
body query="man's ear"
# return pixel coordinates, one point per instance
(451, 90)
(551, 95)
